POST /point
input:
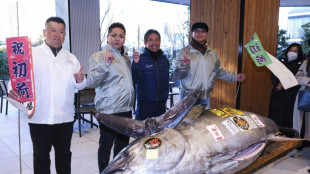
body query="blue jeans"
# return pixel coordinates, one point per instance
(146, 109)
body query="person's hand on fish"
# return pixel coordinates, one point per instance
(108, 56)
(135, 55)
(79, 76)
(186, 60)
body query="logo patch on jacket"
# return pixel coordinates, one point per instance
(148, 66)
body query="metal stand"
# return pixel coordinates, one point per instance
(20, 150)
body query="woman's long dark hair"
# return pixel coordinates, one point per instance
(300, 53)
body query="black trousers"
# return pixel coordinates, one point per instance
(45, 136)
(107, 137)
(147, 109)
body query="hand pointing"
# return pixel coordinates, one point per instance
(79, 76)
(135, 55)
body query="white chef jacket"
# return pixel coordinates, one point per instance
(54, 85)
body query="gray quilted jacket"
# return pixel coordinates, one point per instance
(203, 69)
(112, 81)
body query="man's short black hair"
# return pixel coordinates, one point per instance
(55, 19)
(150, 31)
(117, 25)
(200, 25)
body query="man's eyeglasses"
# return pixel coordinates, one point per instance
(200, 30)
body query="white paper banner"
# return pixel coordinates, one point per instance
(286, 77)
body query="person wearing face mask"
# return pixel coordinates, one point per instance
(150, 73)
(110, 74)
(282, 101)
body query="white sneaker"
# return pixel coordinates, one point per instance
(295, 153)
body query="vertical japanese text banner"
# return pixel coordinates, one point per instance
(21, 70)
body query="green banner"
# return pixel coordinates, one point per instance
(257, 52)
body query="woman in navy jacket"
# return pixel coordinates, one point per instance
(150, 73)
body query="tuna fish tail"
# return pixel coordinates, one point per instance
(126, 126)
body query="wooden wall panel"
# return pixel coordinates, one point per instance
(223, 19)
(261, 16)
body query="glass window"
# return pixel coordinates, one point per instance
(291, 23)
(26, 16)
(291, 19)
(170, 20)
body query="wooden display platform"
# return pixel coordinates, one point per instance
(272, 152)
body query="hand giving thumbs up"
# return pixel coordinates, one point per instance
(108, 56)
(79, 76)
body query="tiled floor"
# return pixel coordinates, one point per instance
(84, 150)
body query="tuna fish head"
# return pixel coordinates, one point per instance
(150, 154)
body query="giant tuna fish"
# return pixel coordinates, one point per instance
(191, 140)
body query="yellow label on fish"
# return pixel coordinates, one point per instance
(224, 112)
(151, 154)
(232, 111)
(219, 113)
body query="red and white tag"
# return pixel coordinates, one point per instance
(215, 132)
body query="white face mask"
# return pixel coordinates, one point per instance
(292, 56)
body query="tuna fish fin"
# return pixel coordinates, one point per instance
(173, 117)
(191, 116)
(229, 164)
(126, 126)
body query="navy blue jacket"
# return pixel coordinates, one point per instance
(151, 77)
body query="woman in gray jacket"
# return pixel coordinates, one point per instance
(110, 74)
